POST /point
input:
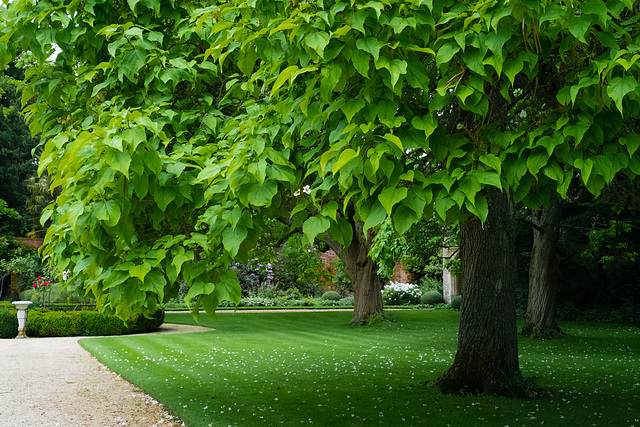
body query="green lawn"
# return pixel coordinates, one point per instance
(299, 368)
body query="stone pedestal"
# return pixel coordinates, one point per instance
(22, 317)
(451, 284)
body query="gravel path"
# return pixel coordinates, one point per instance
(55, 382)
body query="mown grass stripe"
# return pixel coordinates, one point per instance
(296, 368)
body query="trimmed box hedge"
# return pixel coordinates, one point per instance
(45, 323)
(8, 324)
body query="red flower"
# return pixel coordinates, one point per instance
(39, 278)
(35, 286)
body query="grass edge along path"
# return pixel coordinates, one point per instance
(298, 368)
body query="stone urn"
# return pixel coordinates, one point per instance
(22, 317)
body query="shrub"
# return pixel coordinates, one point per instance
(428, 283)
(141, 324)
(401, 294)
(455, 303)
(8, 324)
(432, 297)
(346, 301)
(331, 295)
(297, 266)
(7, 305)
(340, 279)
(45, 323)
(97, 324)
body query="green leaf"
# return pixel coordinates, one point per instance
(578, 26)
(341, 231)
(262, 195)
(492, 161)
(576, 131)
(415, 203)
(470, 186)
(392, 196)
(360, 61)
(107, 211)
(345, 157)
(632, 142)
(163, 196)
(352, 107)
(396, 68)
(370, 45)
(594, 7)
(404, 218)
(489, 178)
(155, 282)
(232, 238)
(379, 7)
(480, 209)
(318, 41)
(628, 64)
(428, 124)
(376, 215)
(131, 64)
(442, 205)
(496, 40)
(119, 160)
(393, 139)
(180, 256)
(283, 77)
(585, 166)
(512, 67)
(446, 53)
(314, 226)
(537, 160)
(140, 271)
(619, 87)
(554, 171)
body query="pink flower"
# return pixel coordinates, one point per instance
(39, 278)
(35, 286)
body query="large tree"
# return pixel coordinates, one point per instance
(541, 319)
(397, 108)
(16, 161)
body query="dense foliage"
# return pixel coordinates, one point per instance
(175, 130)
(16, 145)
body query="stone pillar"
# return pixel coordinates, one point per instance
(451, 284)
(22, 317)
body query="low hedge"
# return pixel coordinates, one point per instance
(45, 323)
(8, 324)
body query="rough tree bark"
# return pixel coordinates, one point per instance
(362, 270)
(486, 361)
(541, 306)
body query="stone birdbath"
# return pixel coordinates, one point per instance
(22, 317)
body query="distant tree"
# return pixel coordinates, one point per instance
(16, 144)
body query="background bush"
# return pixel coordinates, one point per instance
(432, 297)
(8, 324)
(401, 294)
(45, 323)
(455, 303)
(331, 295)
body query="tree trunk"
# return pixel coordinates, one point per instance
(541, 306)
(487, 358)
(363, 272)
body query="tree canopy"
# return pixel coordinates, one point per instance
(16, 143)
(174, 128)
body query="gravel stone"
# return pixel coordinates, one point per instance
(55, 382)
